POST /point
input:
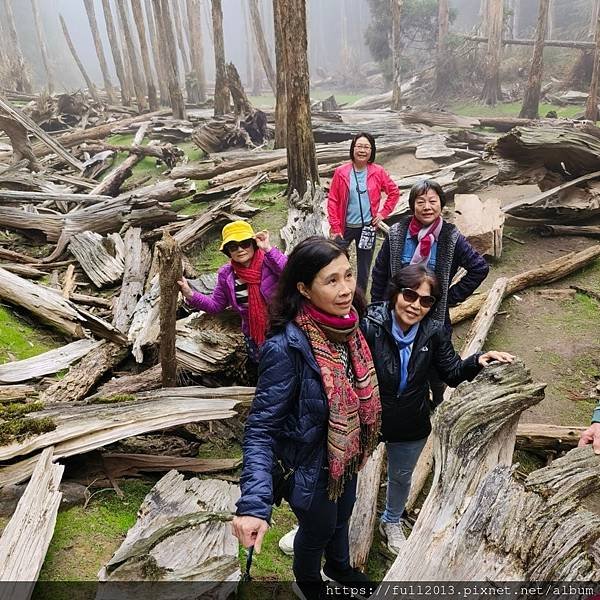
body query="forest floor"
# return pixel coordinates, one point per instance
(559, 341)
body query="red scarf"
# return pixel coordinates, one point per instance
(426, 236)
(354, 410)
(258, 317)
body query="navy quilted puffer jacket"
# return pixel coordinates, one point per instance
(287, 421)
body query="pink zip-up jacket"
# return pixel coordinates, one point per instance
(378, 180)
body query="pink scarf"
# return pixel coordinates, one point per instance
(426, 236)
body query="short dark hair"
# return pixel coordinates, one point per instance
(305, 261)
(371, 141)
(411, 277)
(422, 187)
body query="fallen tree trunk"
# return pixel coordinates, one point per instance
(306, 216)
(592, 231)
(27, 535)
(20, 142)
(524, 42)
(18, 197)
(17, 393)
(82, 428)
(547, 273)
(101, 266)
(478, 523)
(46, 363)
(541, 436)
(182, 533)
(150, 379)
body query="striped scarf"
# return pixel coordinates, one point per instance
(426, 236)
(354, 411)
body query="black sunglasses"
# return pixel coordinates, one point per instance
(411, 296)
(233, 246)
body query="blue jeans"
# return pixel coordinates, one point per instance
(402, 458)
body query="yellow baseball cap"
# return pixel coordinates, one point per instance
(236, 231)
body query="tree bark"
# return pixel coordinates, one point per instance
(221, 98)
(261, 44)
(138, 79)
(196, 50)
(169, 256)
(491, 90)
(595, 17)
(591, 106)
(23, 81)
(302, 162)
(116, 54)
(164, 22)
(86, 77)
(138, 18)
(91, 15)
(281, 93)
(397, 53)
(178, 23)
(249, 61)
(531, 100)
(41, 37)
(157, 56)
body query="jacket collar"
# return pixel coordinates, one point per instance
(298, 340)
(379, 313)
(346, 169)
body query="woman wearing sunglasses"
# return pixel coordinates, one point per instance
(246, 283)
(354, 202)
(408, 343)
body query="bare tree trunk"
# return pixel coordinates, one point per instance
(595, 17)
(157, 55)
(261, 44)
(196, 49)
(301, 157)
(116, 54)
(138, 17)
(257, 70)
(180, 41)
(531, 100)
(22, 81)
(397, 54)
(88, 81)
(281, 95)
(442, 77)
(221, 88)
(249, 74)
(550, 26)
(91, 15)
(169, 55)
(491, 90)
(591, 106)
(138, 79)
(483, 17)
(42, 43)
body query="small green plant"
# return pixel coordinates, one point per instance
(114, 399)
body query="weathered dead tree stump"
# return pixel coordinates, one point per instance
(169, 256)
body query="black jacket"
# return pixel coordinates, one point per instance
(406, 417)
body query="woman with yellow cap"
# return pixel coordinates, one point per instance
(246, 283)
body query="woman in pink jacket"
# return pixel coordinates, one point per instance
(354, 203)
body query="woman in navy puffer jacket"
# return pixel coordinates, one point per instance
(316, 413)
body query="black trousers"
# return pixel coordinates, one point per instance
(364, 258)
(323, 529)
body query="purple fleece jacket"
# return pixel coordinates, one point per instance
(224, 293)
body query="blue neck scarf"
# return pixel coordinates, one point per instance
(404, 342)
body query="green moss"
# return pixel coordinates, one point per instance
(114, 399)
(528, 461)
(192, 151)
(18, 340)
(17, 409)
(85, 539)
(509, 109)
(19, 428)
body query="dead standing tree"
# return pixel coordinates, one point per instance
(162, 16)
(281, 94)
(42, 44)
(531, 100)
(441, 62)
(158, 64)
(20, 71)
(396, 54)
(491, 92)
(591, 107)
(139, 83)
(221, 100)
(198, 87)
(301, 157)
(91, 15)
(261, 44)
(124, 82)
(177, 22)
(138, 18)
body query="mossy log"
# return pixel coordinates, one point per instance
(183, 534)
(478, 523)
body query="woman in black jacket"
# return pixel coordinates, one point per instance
(407, 344)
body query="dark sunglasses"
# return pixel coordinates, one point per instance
(233, 246)
(411, 296)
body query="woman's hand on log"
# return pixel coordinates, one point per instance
(591, 436)
(262, 240)
(250, 531)
(494, 355)
(185, 288)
